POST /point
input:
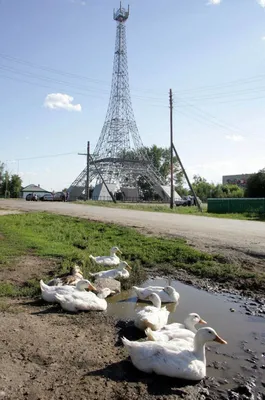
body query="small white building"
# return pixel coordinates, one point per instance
(33, 189)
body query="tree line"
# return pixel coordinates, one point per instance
(255, 188)
(160, 157)
(10, 184)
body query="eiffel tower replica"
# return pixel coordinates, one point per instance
(119, 158)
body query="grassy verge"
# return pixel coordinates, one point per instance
(176, 210)
(71, 240)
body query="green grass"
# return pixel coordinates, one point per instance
(71, 240)
(165, 208)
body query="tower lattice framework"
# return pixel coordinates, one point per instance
(119, 155)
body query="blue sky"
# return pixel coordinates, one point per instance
(211, 55)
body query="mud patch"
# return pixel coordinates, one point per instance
(26, 268)
(48, 354)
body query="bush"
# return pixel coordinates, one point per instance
(256, 185)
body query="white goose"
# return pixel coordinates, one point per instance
(167, 294)
(84, 301)
(117, 273)
(108, 261)
(169, 359)
(153, 317)
(48, 293)
(71, 278)
(175, 331)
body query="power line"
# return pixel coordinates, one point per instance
(211, 118)
(242, 81)
(235, 100)
(65, 73)
(74, 91)
(47, 79)
(45, 156)
(227, 94)
(162, 96)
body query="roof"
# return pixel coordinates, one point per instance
(34, 188)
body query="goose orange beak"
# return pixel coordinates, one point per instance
(202, 322)
(128, 266)
(220, 340)
(91, 287)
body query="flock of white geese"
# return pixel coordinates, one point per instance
(175, 350)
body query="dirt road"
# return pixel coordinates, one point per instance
(246, 238)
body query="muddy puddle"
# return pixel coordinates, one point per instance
(242, 357)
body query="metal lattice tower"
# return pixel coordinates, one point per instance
(119, 154)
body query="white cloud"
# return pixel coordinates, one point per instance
(261, 3)
(214, 2)
(263, 38)
(235, 138)
(60, 101)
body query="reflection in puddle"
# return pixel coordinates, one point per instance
(243, 333)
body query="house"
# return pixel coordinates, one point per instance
(239, 180)
(33, 189)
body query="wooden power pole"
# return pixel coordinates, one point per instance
(87, 170)
(171, 151)
(89, 157)
(173, 148)
(87, 154)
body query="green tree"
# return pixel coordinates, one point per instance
(5, 184)
(235, 191)
(202, 188)
(205, 190)
(227, 191)
(10, 185)
(2, 176)
(160, 158)
(15, 184)
(256, 185)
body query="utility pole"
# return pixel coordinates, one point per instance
(171, 151)
(87, 154)
(187, 179)
(103, 180)
(89, 157)
(87, 170)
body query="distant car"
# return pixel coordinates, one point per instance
(32, 197)
(46, 197)
(59, 196)
(181, 202)
(187, 201)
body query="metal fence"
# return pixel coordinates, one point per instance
(242, 205)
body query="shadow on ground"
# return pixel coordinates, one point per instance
(156, 385)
